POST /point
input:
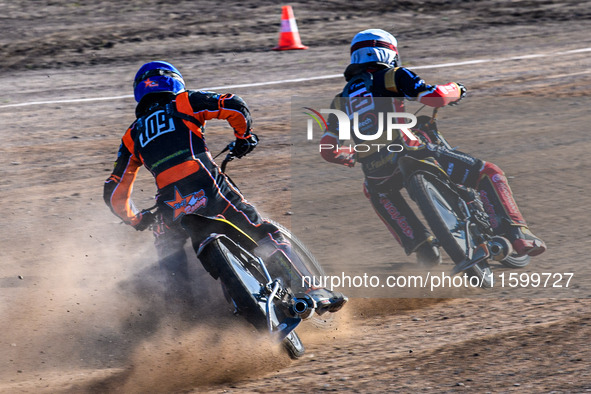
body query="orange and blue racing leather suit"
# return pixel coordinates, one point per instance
(168, 139)
(383, 179)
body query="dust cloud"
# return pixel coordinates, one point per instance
(92, 312)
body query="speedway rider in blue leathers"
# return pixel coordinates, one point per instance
(376, 71)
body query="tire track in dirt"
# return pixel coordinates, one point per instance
(442, 347)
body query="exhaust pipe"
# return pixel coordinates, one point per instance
(303, 306)
(300, 306)
(500, 248)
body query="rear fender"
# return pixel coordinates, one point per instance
(201, 227)
(204, 230)
(410, 166)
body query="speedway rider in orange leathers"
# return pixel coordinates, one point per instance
(168, 139)
(375, 71)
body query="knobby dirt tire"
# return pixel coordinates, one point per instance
(230, 271)
(424, 190)
(515, 261)
(420, 188)
(230, 276)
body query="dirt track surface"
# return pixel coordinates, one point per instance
(81, 303)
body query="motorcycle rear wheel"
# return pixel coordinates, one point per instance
(514, 261)
(441, 208)
(242, 282)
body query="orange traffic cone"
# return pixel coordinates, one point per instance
(289, 37)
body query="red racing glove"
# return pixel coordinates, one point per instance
(331, 152)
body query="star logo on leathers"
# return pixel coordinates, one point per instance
(186, 205)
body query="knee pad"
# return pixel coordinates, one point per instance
(492, 171)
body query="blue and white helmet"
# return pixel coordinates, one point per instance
(374, 45)
(157, 77)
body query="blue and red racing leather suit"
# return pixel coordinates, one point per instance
(168, 139)
(383, 179)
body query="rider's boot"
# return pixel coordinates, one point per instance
(428, 253)
(327, 301)
(524, 242)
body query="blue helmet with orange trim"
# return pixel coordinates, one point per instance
(157, 77)
(374, 45)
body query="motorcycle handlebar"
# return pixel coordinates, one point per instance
(438, 135)
(152, 208)
(229, 157)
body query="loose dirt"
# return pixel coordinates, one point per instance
(82, 304)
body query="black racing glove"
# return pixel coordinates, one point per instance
(146, 220)
(244, 146)
(463, 92)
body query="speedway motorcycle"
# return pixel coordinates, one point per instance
(263, 280)
(455, 214)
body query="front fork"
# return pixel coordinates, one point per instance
(483, 244)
